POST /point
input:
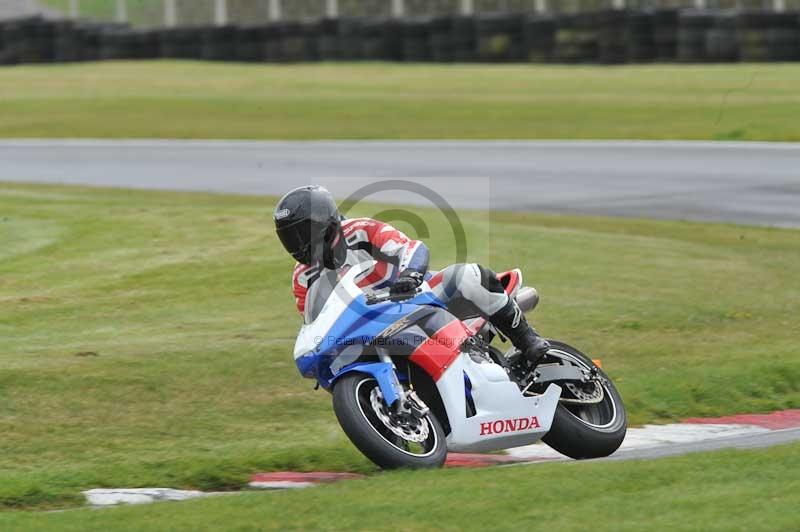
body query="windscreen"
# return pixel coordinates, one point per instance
(319, 293)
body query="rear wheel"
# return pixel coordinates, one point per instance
(587, 423)
(389, 440)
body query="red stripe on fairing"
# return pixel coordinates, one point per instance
(784, 419)
(438, 352)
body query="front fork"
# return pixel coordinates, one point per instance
(408, 402)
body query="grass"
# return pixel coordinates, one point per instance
(146, 337)
(392, 101)
(744, 490)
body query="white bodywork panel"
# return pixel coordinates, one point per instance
(498, 402)
(312, 334)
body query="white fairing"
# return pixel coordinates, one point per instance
(498, 402)
(312, 334)
(499, 405)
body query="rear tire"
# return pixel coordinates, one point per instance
(591, 431)
(361, 423)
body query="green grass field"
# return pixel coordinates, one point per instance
(753, 490)
(392, 101)
(147, 336)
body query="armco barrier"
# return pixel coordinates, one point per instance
(601, 37)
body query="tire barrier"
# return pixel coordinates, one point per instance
(577, 39)
(382, 40)
(721, 40)
(442, 40)
(600, 37)
(693, 29)
(328, 46)
(465, 39)
(416, 39)
(612, 37)
(665, 34)
(640, 38)
(29, 40)
(500, 38)
(349, 39)
(768, 37)
(249, 44)
(540, 39)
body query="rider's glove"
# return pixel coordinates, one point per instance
(407, 282)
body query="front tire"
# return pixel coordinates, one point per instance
(587, 431)
(366, 420)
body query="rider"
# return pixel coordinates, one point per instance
(311, 229)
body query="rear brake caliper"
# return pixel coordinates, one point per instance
(588, 391)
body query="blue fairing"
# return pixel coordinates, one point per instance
(383, 373)
(358, 325)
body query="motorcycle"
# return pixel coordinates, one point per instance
(411, 382)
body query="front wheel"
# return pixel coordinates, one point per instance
(591, 428)
(390, 441)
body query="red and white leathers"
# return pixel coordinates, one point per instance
(468, 290)
(368, 240)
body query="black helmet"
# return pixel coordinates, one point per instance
(309, 226)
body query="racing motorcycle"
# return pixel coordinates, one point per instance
(411, 382)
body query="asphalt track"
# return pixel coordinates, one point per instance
(740, 441)
(752, 441)
(747, 183)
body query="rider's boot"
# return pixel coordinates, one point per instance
(511, 322)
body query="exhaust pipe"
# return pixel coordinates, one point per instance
(527, 298)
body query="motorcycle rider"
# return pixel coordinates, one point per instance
(311, 229)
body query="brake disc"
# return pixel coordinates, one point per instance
(582, 396)
(415, 430)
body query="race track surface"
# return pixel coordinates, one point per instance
(748, 183)
(751, 441)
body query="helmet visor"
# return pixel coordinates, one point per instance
(303, 240)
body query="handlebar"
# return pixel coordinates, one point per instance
(386, 295)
